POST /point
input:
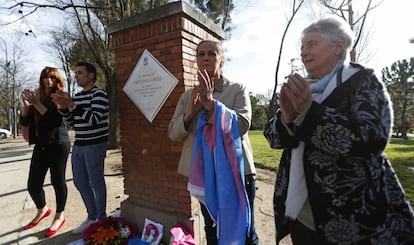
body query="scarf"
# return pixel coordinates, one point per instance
(217, 174)
(320, 85)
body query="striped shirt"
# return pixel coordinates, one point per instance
(89, 118)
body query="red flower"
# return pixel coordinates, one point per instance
(112, 230)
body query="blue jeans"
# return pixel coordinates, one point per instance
(88, 177)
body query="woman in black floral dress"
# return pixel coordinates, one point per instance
(334, 184)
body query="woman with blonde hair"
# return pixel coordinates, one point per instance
(51, 142)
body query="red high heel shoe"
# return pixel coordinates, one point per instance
(31, 225)
(50, 232)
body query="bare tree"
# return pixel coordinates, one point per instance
(345, 10)
(12, 78)
(62, 45)
(296, 6)
(92, 20)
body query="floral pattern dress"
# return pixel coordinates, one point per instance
(355, 196)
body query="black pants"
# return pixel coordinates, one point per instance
(53, 157)
(210, 229)
(302, 235)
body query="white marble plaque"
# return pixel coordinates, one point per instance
(149, 85)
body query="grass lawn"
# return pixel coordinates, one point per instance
(400, 153)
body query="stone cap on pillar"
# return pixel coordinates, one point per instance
(164, 11)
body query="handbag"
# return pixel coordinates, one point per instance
(25, 132)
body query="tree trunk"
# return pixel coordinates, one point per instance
(112, 89)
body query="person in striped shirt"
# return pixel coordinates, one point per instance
(87, 112)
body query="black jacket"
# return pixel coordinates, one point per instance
(49, 130)
(355, 196)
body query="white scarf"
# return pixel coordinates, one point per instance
(297, 190)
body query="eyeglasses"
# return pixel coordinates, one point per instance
(50, 79)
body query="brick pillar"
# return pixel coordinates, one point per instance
(149, 158)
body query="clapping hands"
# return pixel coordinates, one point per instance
(29, 97)
(295, 97)
(62, 99)
(205, 89)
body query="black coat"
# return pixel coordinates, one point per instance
(355, 196)
(49, 130)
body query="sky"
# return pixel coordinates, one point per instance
(254, 45)
(253, 48)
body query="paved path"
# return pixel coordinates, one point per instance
(17, 209)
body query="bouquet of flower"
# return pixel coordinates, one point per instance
(112, 230)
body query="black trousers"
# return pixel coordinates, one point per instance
(53, 157)
(210, 229)
(302, 235)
